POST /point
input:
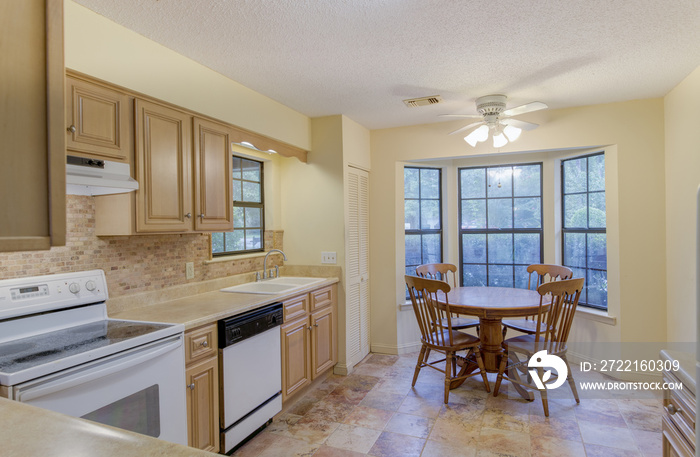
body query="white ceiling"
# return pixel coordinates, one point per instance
(361, 58)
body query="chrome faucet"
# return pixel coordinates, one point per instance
(265, 275)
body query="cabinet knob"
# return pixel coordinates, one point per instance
(309, 328)
(71, 129)
(671, 409)
(204, 343)
(188, 215)
(190, 386)
(315, 325)
(201, 216)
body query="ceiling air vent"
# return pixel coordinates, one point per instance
(423, 101)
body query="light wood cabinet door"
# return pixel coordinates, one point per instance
(98, 121)
(323, 341)
(213, 204)
(162, 162)
(203, 405)
(296, 367)
(33, 171)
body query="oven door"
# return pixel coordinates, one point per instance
(141, 390)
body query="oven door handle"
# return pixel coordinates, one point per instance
(105, 368)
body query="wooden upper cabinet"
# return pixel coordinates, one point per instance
(33, 172)
(162, 162)
(97, 119)
(213, 205)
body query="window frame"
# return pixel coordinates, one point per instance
(425, 231)
(583, 301)
(488, 231)
(244, 204)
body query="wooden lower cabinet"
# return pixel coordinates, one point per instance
(309, 341)
(202, 374)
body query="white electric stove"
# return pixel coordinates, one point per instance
(60, 351)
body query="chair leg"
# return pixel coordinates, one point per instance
(543, 393)
(448, 378)
(482, 368)
(570, 379)
(505, 329)
(501, 370)
(419, 364)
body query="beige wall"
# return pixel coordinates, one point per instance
(632, 135)
(106, 50)
(682, 120)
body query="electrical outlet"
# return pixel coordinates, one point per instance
(328, 257)
(189, 270)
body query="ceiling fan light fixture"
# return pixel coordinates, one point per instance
(513, 133)
(499, 140)
(477, 136)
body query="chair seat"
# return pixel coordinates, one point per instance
(460, 323)
(525, 344)
(459, 340)
(524, 325)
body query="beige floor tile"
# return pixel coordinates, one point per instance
(459, 433)
(363, 382)
(504, 442)
(382, 400)
(382, 359)
(642, 414)
(393, 386)
(369, 417)
(254, 447)
(555, 427)
(353, 438)
(309, 430)
(605, 435)
(409, 424)
(543, 446)
(394, 445)
(648, 443)
(603, 412)
(289, 447)
(503, 420)
(472, 411)
(328, 451)
(593, 450)
(330, 409)
(443, 449)
(421, 407)
(348, 394)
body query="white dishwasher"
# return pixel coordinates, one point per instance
(251, 373)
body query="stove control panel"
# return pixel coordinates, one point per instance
(23, 296)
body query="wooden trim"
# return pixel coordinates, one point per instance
(56, 141)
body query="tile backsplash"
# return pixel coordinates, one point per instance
(132, 264)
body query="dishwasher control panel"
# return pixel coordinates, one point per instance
(243, 326)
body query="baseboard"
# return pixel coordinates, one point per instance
(396, 349)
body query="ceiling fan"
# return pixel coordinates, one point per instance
(497, 120)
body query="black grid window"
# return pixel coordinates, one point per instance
(584, 226)
(423, 216)
(248, 211)
(500, 215)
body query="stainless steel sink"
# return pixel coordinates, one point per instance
(273, 286)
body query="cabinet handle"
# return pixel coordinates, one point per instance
(190, 386)
(671, 409)
(315, 325)
(71, 129)
(201, 216)
(204, 343)
(188, 215)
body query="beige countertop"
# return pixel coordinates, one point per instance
(28, 431)
(209, 307)
(686, 373)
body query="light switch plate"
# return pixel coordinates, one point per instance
(328, 257)
(189, 270)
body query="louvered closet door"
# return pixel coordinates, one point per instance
(357, 299)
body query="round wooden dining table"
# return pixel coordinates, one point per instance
(491, 305)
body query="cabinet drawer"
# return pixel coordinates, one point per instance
(200, 343)
(322, 297)
(674, 445)
(296, 307)
(682, 403)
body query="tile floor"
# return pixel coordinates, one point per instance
(374, 411)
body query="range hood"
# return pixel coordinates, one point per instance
(98, 177)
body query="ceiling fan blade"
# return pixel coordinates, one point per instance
(467, 116)
(526, 108)
(520, 124)
(466, 127)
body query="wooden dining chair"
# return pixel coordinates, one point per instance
(437, 334)
(551, 336)
(448, 273)
(539, 274)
